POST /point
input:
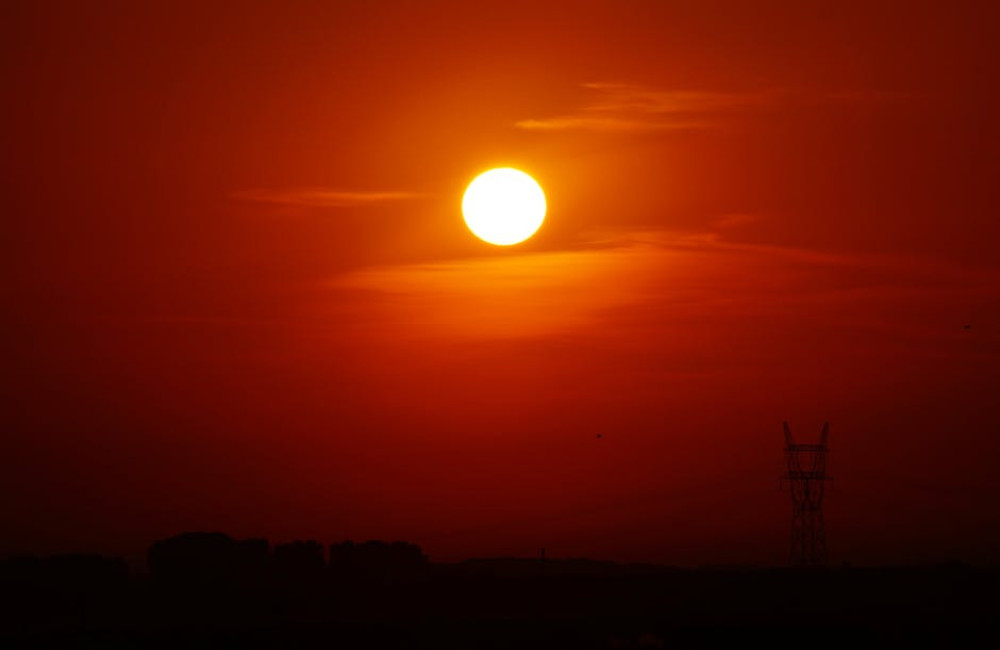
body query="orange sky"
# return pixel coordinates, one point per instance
(240, 295)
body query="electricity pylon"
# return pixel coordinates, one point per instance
(805, 479)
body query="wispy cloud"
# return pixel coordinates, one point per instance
(645, 281)
(734, 221)
(628, 108)
(618, 107)
(322, 197)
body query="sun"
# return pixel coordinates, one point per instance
(503, 206)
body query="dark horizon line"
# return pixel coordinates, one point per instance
(138, 563)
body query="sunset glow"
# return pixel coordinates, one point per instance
(491, 277)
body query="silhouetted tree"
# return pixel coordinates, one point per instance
(300, 558)
(377, 560)
(252, 554)
(208, 557)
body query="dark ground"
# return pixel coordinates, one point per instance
(93, 602)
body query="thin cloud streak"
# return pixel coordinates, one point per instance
(661, 276)
(624, 108)
(631, 108)
(323, 198)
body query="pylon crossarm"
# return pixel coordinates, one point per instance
(808, 448)
(803, 475)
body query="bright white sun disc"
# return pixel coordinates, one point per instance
(503, 206)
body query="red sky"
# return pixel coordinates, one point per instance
(239, 294)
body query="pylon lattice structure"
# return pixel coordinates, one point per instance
(805, 479)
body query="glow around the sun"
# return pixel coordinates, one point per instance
(504, 206)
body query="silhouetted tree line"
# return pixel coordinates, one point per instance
(217, 557)
(203, 587)
(197, 565)
(205, 578)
